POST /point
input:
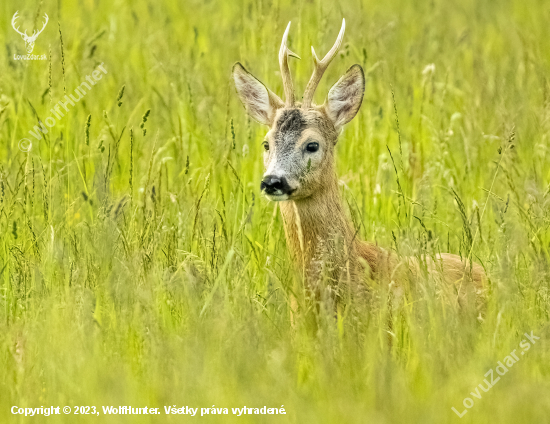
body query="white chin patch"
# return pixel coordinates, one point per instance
(276, 197)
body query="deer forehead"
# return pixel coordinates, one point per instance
(293, 126)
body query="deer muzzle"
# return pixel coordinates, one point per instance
(275, 186)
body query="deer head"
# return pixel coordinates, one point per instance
(299, 146)
(29, 40)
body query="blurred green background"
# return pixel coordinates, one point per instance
(139, 264)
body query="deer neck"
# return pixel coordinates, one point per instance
(317, 225)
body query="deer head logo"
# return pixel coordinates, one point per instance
(29, 40)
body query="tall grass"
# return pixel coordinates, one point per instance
(140, 265)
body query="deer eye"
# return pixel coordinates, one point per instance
(266, 146)
(312, 147)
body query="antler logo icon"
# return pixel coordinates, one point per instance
(29, 40)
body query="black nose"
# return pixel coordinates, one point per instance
(272, 184)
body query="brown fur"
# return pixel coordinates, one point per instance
(318, 232)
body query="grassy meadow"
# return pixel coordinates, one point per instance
(141, 266)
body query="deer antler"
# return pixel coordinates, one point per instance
(284, 53)
(13, 25)
(320, 67)
(24, 34)
(35, 33)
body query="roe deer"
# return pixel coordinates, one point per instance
(300, 175)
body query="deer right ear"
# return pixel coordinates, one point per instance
(345, 97)
(260, 102)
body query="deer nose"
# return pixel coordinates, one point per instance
(273, 184)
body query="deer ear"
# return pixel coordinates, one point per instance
(260, 102)
(345, 97)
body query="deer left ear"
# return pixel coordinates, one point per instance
(345, 97)
(260, 102)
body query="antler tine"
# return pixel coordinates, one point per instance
(320, 67)
(36, 33)
(13, 24)
(284, 53)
